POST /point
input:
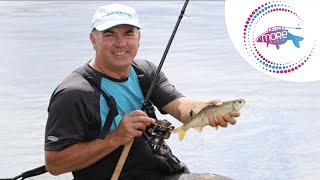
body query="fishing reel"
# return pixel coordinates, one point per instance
(157, 132)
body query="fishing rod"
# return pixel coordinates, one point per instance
(30, 173)
(153, 84)
(127, 147)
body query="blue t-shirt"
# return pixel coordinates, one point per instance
(127, 93)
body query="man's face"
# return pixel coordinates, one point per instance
(116, 46)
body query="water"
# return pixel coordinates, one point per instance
(276, 137)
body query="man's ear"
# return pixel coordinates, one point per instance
(93, 40)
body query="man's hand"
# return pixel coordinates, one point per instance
(222, 120)
(132, 125)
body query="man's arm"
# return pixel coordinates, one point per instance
(79, 156)
(181, 107)
(82, 155)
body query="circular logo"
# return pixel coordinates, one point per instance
(278, 38)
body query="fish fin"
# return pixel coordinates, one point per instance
(199, 128)
(181, 133)
(192, 111)
(295, 39)
(296, 43)
(197, 108)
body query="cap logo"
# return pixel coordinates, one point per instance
(120, 13)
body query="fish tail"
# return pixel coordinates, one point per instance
(181, 132)
(295, 39)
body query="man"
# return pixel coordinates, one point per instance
(96, 109)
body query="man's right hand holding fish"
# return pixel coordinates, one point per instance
(197, 114)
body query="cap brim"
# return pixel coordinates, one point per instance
(108, 25)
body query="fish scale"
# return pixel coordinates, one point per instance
(200, 120)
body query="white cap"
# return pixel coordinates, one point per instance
(111, 15)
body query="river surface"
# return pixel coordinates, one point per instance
(276, 136)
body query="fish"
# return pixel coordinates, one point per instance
(200, 120)
(278, 35)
